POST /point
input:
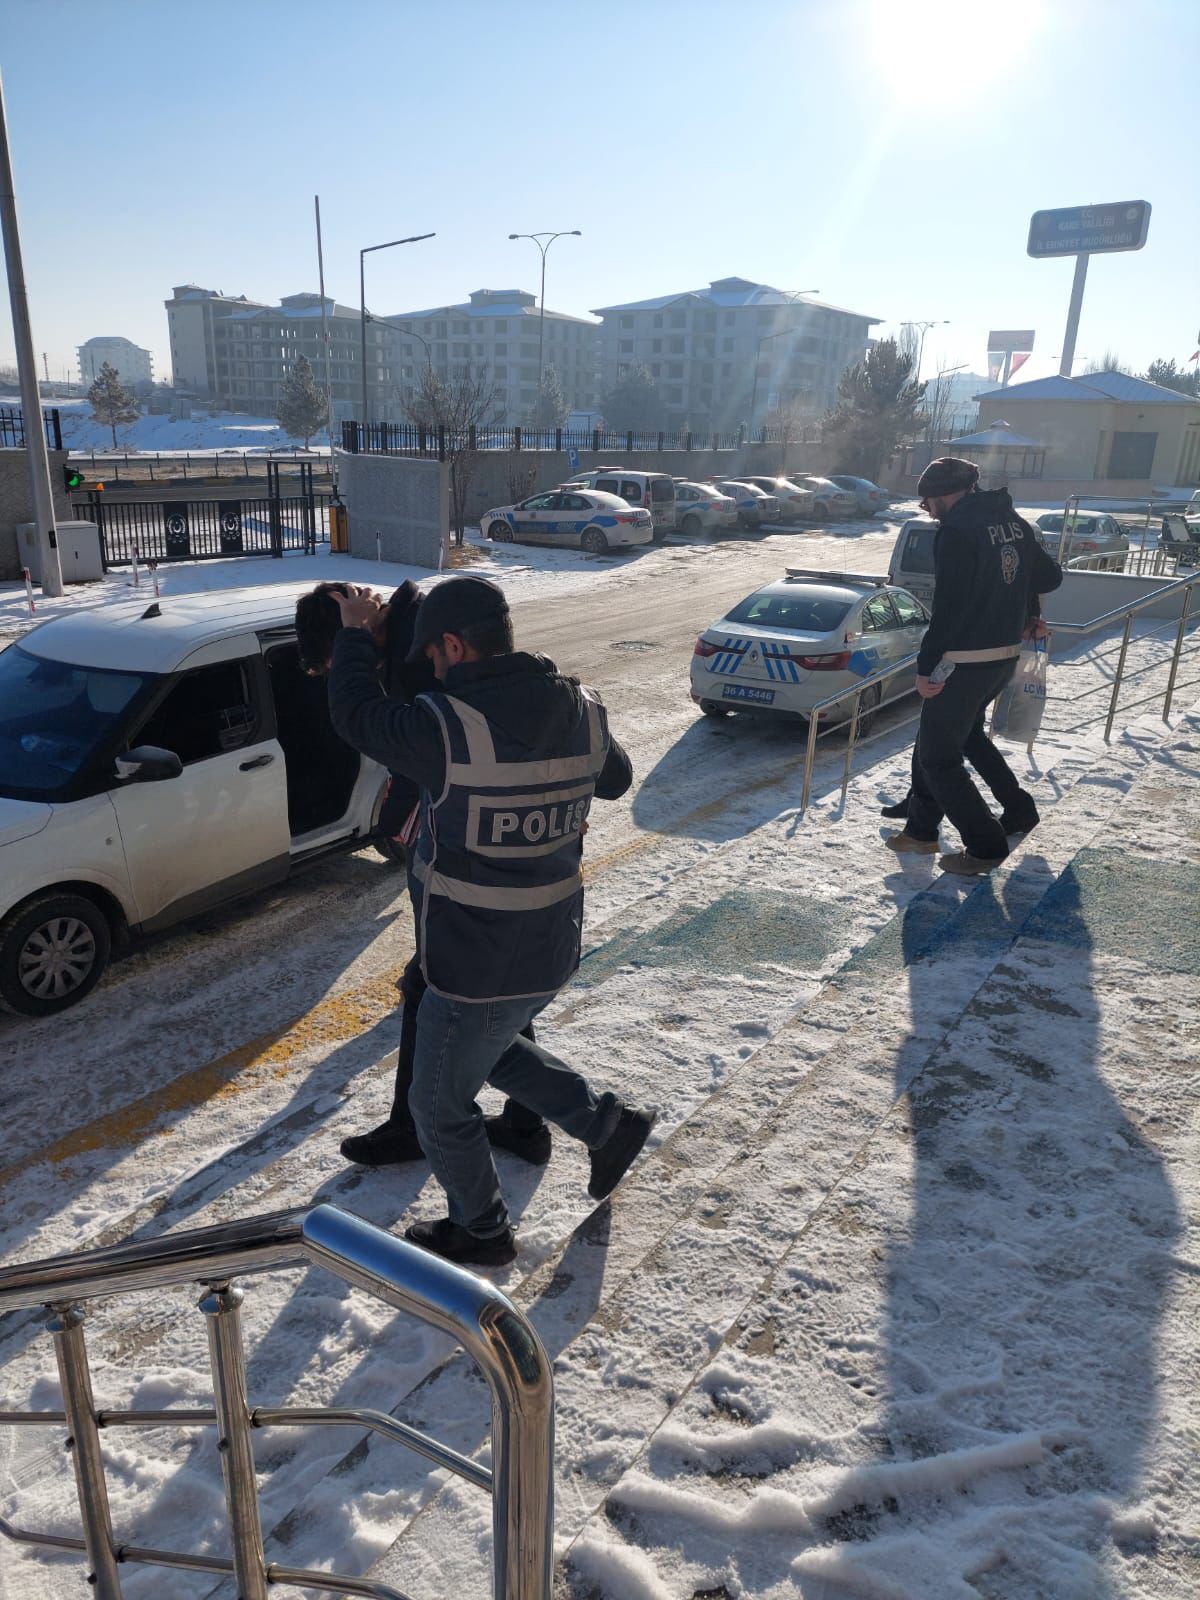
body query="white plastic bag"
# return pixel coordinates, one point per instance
(1018, 713)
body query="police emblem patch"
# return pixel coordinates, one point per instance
(1009, 562)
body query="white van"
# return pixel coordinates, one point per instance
(652, 491)
(911, 566)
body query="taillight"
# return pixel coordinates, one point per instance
(1085, 544)
(704, 648)
(837, 663)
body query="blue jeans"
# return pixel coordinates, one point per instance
(461, 1045)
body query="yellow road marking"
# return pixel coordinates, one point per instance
(337, 1017)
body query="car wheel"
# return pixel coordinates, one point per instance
(594, 542)
(821, 510)
(692, 525)
(53, 950)
(867, 710)
(500, 531)
(711, 709)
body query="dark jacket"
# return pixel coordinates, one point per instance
(989, 570)
(523, 694)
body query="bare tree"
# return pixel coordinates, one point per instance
(789, 422)
(460, 404)
(938, 397)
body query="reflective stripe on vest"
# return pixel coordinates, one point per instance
(504, 837)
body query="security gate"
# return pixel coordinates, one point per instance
(191, 530)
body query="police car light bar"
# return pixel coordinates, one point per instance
(874, 579)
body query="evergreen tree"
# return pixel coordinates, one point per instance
(111, 404)
(633, 404)
(1169, 376)
(551, 408)
(302, 409)
(879, 406)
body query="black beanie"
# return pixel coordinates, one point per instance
(947, 475)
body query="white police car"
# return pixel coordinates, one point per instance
(586, 519)
(158, 757)
(804, 637)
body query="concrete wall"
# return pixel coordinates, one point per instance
(505, 476)
(399, 507)
(16, 503)
(1085, 595)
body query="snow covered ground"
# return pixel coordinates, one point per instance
(899, 1306)
(202, 431)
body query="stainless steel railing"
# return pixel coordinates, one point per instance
(494, 1334)
(858, 715)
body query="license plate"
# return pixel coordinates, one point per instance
(743, 691)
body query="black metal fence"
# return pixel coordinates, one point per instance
(195, 530)
(410, 439)
(180, 466)
(12, 428)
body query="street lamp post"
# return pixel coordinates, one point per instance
(943, 322)
(567, 233)
(792, 295)
(362, 304)
(401, 327)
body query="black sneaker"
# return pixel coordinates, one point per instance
(1019, 818)
(446, 1239)
(531, 1144)
(900, 809)
(613, 1159)
(388, 1145)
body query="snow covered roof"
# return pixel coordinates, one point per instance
(519, 304)
(729, 293)
(122, 637)
(1094, 387)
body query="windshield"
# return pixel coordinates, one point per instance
(801, 612)
(52, 718)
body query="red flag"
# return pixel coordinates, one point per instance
(1019, 358)
(1195, 356)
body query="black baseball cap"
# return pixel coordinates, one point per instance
(453, 605)
(947, 475)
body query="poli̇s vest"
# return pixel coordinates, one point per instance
(497, 862)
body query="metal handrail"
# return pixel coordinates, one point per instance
(491, 1330)
(1184, 585)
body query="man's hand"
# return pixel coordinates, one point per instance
(360, 607)
(1036, 629)
(926, 687)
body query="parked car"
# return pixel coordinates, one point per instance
(795, 641)
(828, 500)
(911, 565)
(584, 519)
(795, 503)
(156, 760)
(754, 506)
(653, 491)
(699, 508)
(1089, 533)
(869, 496)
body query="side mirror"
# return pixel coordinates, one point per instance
(147, 763)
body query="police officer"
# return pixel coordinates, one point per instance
(508, 754)
(989, 570)
(318, 621)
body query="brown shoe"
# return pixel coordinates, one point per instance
(964, 865)
(905, 845)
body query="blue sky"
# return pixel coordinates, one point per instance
(886, 152)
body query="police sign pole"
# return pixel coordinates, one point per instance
(1083, 231)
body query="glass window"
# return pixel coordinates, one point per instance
(627, 322)
(631, 491)
(918, 550)
(662, 489)
(806, 613)
(878, 616)
(657, 319)
(575, 502)
(607, 485)
(677, 319)
(53, 717)
(626, 347)
(207, 712)
(909, 610)
(538, 502)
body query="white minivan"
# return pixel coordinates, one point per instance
(158, 757)
(653, 491)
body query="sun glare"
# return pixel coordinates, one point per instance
(948, 45)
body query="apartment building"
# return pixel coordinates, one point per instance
(238, 352)
(732, 353)
(500, 327)
(135, 366)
